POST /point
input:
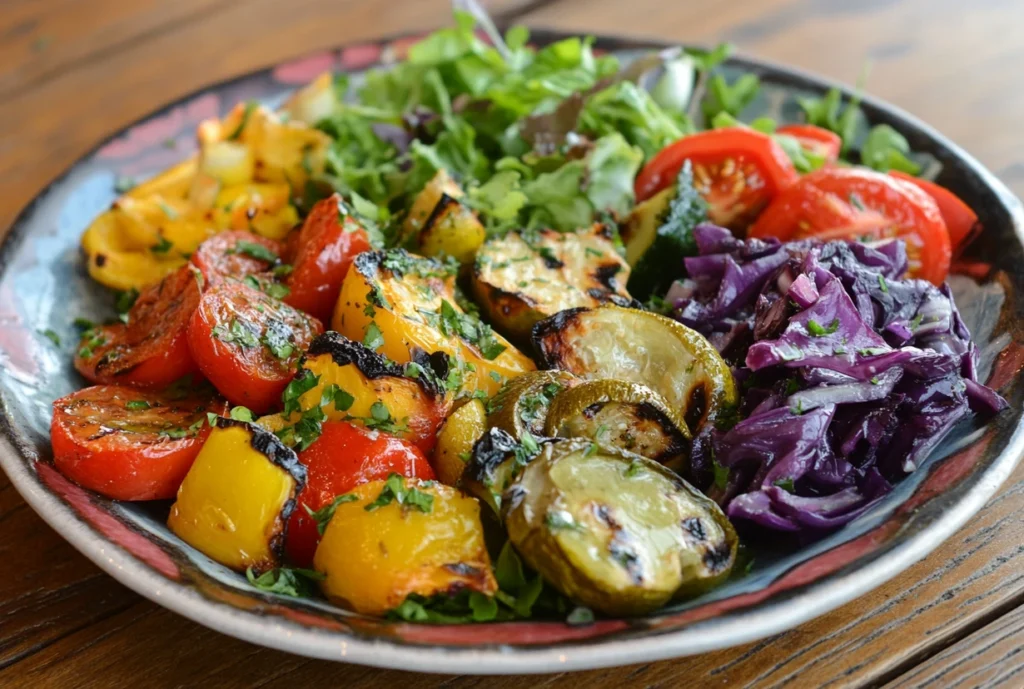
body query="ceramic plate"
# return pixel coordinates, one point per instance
(43, 285)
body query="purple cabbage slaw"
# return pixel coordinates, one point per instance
(850, 375)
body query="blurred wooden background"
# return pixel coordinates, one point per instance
(74, 71)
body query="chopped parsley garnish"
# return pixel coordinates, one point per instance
(301, 384)
(162, 246)
(282, 270)
(279, 339)
(123, 184)
(323, 516)
(241, 413)
(268, 287)
(91, 339)
(470, 329)
(380, 419)
(137, 405)
(817, 330)
(881, 283)
(786, 484)
(374, 338)
(126, 300)
(409, 497)
(254, 250)
(336, 395)
(286, 581)
(560, 520)
(83, 323)
(237, 332)
(580, 616)
(721, 475)
(51, 336)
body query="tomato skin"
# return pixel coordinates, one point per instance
(747, 169)
(247, 374)
(961, 221)
(820, 206)
(151, 350)
(218, 258)
(343, 457)
(320, 255)
(105, 446)
(817, 140)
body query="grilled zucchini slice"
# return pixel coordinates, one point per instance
(614, 531)
(609, 342)
(620, 414)
(235, 501)
(404, 304)
(455, 441)
(524, 277)
(426, 201)
(521, 406)
(640, 230)
(452, 230)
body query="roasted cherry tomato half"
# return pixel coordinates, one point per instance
(855, 203)
(343, 457)
(961, 221)
(737, 170)
(128, 444)
(235, 254)
(248, 343)
(321, 254)
(151, 349)
(819, 141)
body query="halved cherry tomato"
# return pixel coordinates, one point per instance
(248, 344)
(235, 254)
(961, 221)
(854, 203)
(151, 349)
(128, 444)
(321, 254)
(737, 170)
(821, 142)
(343, 457)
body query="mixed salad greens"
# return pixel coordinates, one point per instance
(502, 332)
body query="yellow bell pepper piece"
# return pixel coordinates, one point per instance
(407, 306)
(374, 557)
(235, 500)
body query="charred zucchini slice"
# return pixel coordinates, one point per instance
(234, 503)
(620, 414)
(645, 348)
(452, 229)
(403, 304)
(389, 539)
(616, 532)
(521, 406)
(523, 277)
(496, 461)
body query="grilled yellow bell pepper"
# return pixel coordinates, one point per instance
(411, 301)
(402, 536)
(236, 499)
(367, 387)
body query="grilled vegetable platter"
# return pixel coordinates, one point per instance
(502, 333)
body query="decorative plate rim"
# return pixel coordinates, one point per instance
(740, 626)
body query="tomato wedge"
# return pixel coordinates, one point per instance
(321, 254)
(856, 203)
(235, 254)
(737, 170)
(248, 344)
(961, 221)
(128, 444)
(819, 141)
(151, 349)
(343, 457)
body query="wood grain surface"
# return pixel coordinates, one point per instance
(72, 72)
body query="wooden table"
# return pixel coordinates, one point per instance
(72, 72)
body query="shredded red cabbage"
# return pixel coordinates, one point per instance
(851, 375)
